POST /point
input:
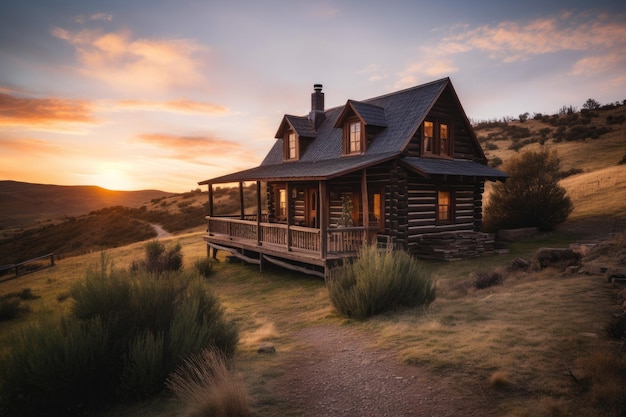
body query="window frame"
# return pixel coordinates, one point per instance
(449, 207)
(289, 134)
(348, 137)
(436, 138)
(280, 204)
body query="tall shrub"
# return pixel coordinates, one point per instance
(125, 333)
(378, 281)
(531, 196)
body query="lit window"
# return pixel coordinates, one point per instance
(377, 206)
(428, 137)
(291, 144)
(436, 138)
(444, 206)
(355, 137)
(444, 146)
(282, 204)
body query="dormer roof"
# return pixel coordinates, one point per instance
(300, 124)
(369, 114)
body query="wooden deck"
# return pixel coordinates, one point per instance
(279, 243)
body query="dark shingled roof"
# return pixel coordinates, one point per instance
(301, 124)
(370, 114)
(398, 116)
(464, 167)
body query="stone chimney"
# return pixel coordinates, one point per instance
(317, 114)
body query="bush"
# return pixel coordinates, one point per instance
(486, 279)
(530, 197)
(208, 388)
(204, 267)
(125, 333)
(159, 259)
(378, 281)
(10, 308)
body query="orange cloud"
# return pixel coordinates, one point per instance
(136, 64)
(603, 36)
(43, 113)
(181, 105)
(30, 146)
(194, 147)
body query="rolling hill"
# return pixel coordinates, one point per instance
(22, 204)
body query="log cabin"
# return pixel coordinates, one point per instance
(404, 170)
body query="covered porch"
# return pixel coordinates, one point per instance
(294, 222)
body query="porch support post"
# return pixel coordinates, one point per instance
(210, 200)
(258, 214)
(242, 216)
(366, 210)
(323, 223)
(288, 213)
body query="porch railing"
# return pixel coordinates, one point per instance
(338, 240)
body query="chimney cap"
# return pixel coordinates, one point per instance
(317, 87)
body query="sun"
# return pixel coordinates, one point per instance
(113, 178)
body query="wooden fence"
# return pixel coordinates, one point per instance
(8, 272)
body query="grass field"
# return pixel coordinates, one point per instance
(525, 334)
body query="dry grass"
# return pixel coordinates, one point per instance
(208, 388)
(600, 193)
(521, 335)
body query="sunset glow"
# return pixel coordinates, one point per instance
(161, 95)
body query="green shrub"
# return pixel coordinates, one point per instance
(10, 308)
(160, 259)
(56, 368)
(531, 196)
(125, 333)
(378, 281)
(204, 267)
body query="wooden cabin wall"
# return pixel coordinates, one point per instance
(446, 108)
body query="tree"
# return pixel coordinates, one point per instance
(591, 104)
(531, 196)
(523, 117)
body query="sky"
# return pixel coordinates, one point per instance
(139, 94)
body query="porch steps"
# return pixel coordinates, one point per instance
(451, 246)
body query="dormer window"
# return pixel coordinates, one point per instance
(353, 137)
(436, 138)
(292, 145)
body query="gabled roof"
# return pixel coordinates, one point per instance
(300, 124)
(400, 113)
(369, 114)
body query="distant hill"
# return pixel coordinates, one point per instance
(591, 145)
(23, 204)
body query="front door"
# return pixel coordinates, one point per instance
(312, 205)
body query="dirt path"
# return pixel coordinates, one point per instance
(161, 232)
(337, 375)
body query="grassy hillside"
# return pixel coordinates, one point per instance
(23, 204)
(590, 144)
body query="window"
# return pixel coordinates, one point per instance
(292, 145)
(436, 138)
(444, 207)
(428, 137)
(444, 147)
(281, 207)
(354, 137)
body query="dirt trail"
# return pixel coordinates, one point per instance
(337, 375)
(161, 232)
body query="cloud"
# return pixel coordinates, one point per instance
(181, 105)
(373, 72)
(44, 113)
(192, 148)
(509, 42)
(136, 65)
(31, 146)
(82, 19)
